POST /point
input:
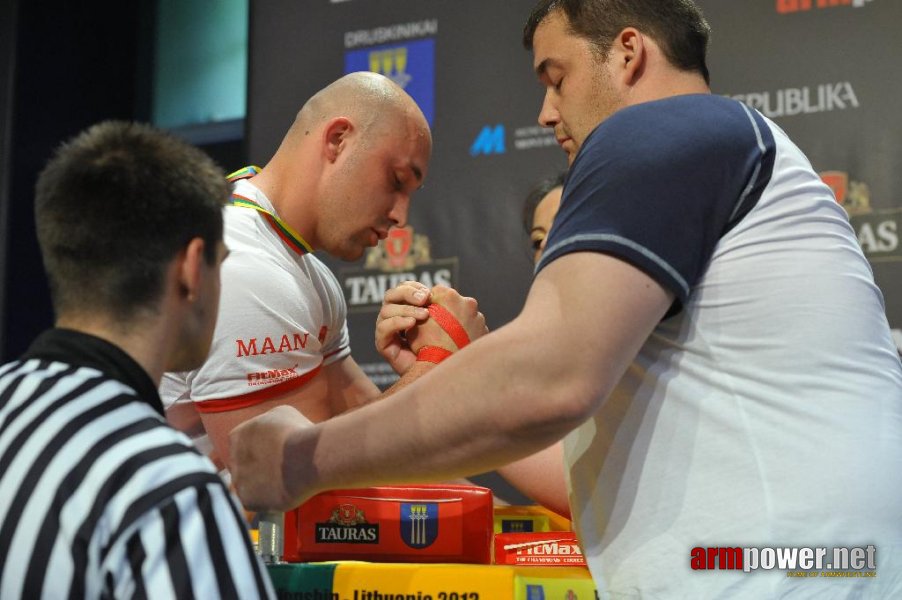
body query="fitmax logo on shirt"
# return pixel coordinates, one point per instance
(272, 376)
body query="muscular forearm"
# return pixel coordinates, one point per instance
(479, 426)
(415, 372)
(541, 477)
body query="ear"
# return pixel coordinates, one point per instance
(335, 137)
(631, 53)
(189, 269)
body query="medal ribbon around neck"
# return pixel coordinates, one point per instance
(291, 237)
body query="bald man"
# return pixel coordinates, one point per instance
(341, 178)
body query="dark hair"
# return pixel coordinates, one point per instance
(678, 26)
(114, 206)
(535, 195)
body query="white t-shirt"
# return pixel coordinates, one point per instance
(282, 316)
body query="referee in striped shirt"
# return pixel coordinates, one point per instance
(99, 497)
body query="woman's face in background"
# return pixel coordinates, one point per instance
(542, 219)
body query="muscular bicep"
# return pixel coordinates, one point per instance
(310, 399)
(585, 319)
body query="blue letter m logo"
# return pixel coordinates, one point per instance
(489, 141)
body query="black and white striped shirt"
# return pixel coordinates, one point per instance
(99, 497)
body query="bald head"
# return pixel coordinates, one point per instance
(346, 170)
(367, 99)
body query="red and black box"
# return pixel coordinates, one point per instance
(412, 523)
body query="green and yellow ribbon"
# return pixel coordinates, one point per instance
(291, 237)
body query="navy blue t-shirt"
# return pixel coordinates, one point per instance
(659, 183)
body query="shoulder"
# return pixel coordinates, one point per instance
(322, 278)
(42, 383)
(679, 128)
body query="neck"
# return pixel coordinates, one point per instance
(670, 83)
(142, 343)
(288, 196)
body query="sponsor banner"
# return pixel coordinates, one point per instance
(373, 581)
(390, 33)
(492, 139)
(551, 588)
(460, 582)
(540, 549)
(410, 64)
(877, 229)
(793, 6)
(307, 581)
(403, 256)
(791, 102)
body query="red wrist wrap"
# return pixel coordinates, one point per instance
(432, 354)
(450, 324)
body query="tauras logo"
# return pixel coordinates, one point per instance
(877, 230)
(366, 290)
(271, 345)
(402, 256)
(790, 102)
(328, 533)
(347, 524)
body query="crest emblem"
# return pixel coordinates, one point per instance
(535, 592)
(854, 196)
(397, 246)
(838, 182)
(347, 515)
(401, 250)
(516, 526)
(391, 62)
(419, 523)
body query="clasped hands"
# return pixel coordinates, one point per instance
(404, 326)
